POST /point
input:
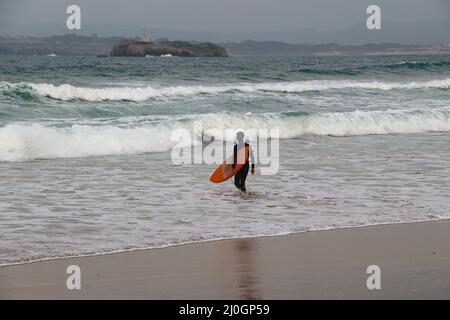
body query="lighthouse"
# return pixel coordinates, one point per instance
(146, 37)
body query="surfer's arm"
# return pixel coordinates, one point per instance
(252, 160)
(252, 157)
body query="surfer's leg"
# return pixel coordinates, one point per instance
(244, 173)
(238, 180)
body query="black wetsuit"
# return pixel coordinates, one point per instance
(241, 176)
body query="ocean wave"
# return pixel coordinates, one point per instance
(67, 92)
(384, 67)
(28, 141)
(404, 66)
(412, 65)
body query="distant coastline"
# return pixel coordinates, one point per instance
(72, 44)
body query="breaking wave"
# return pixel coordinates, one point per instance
(67, 92)
(20, 141)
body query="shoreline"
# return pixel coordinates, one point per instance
(262, 236)
(414, 258)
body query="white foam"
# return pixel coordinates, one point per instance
(337, 124)
(70, 92)
(21, 141)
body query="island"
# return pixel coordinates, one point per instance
(134, 48)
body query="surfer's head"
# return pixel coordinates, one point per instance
(240, 136)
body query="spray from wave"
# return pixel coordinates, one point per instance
(67, 92)
(23, 141)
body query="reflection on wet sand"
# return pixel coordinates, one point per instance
(248, 280)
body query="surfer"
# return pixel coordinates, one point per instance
(211, 140)
(239, 158)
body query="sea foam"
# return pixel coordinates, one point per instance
(70, 92)
(27, 141)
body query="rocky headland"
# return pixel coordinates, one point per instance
(133, 48)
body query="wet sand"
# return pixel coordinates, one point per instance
(414, 259)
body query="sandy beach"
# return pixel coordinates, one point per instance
(414, 259)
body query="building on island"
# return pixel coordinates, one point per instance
(146, 37)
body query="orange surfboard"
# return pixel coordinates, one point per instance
(225, 170)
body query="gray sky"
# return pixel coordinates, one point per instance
(224, 16)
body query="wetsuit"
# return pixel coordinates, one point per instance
(241, 176)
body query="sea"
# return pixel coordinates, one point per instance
(86, 148)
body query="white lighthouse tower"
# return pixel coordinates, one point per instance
(146, 37)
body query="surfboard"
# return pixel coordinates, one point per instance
(225, 170)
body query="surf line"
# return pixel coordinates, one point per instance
(188, 150)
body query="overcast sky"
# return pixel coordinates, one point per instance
(225, 16)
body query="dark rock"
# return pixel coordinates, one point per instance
(132, 48)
